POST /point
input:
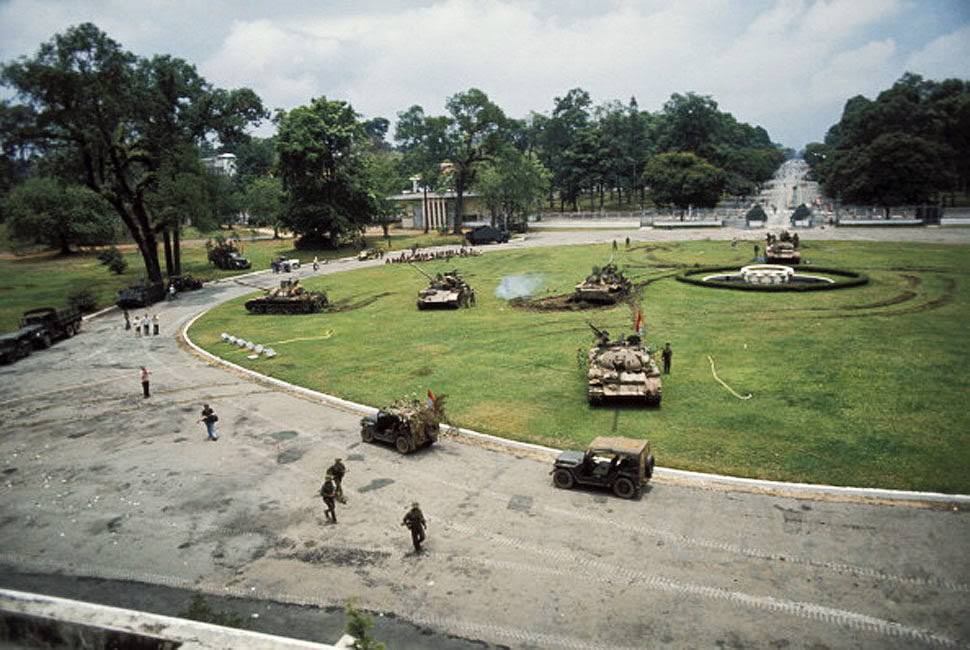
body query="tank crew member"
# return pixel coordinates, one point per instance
(667, 355)
(414, 520)
(329, 491)
(337, 470)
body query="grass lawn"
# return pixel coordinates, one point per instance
(45, 279)
(866, 386)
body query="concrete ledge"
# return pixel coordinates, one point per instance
(700, 479)
(26, 619)
(715, 223)
(955, 221)
(884, 223)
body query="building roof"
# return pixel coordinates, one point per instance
(417, 196)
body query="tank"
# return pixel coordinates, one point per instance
(289, 298)
(622, 371)
(605, 285)
(782, 249)
(446, 291)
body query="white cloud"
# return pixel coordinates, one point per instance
(944, 57)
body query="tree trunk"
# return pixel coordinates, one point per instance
(459, 204)
(64, 245)
(177, 248)
(167, 242)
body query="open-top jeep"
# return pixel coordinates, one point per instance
(622, 464)
(407, 424)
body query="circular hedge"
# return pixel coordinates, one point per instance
(843, 280)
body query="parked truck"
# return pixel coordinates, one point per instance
(39, 328)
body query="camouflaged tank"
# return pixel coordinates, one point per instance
(607, 285)
(408, 424)
(446, 291)
(621, 371)
(782, 249)
(289, 298)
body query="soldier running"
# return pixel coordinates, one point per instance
(414, 519)
(328, 491)
(337, 470)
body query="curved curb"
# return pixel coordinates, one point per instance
(698, 479)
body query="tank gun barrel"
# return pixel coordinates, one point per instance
(421, 271)
(599, 333)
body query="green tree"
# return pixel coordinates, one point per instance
(689, 123)
(359, 625)
(422, 140)
(683, 179)
(386, 179)
(46, 211)
(264, 200)
(254, 159)
(512, 185)
(119, 116)
(321, 148)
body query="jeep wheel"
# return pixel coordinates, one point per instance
(367, 434)
(563, 479)
(624, 488)
(403, 444)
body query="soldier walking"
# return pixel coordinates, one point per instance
(414, 519)
(329, 491)
(337, 470)
(667, 355)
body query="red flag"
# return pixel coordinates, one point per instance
(430, 398)
(638, 323)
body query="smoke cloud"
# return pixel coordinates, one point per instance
(519, 286)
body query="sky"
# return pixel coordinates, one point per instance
(788, 65)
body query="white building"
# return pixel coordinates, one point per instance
(224, 163)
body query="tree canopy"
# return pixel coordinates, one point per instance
(684, 179)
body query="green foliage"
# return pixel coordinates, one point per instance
(321, 148)
(82, 299)
(359, 626)
(756, 213)
(262, 197)
(200, 610)
(45, 211)
(114, 260)
(683, 179)
(512, 185)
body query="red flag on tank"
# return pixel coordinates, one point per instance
(430, 398)
(638, 323)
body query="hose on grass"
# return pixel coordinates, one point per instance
(721, 382)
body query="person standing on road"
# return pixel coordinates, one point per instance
(155, 324)
(316, 263)
(667, 355)
(210, 418)
(146, 324)
(414, 520)
(337, 470)
(329, 491)
(127, 320)
(144, 381)
(171, 291)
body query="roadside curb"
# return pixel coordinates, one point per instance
(679, 476)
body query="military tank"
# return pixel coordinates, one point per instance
(782, 249)
(445, 291)
(621, 371)
(289, 298)
(605, 285)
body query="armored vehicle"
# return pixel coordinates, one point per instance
(605, 285)
(782, 249)
(486, 235)
(445, 291)
(140, 295)
(407, 424)
(224, 254)
(620, 464)
(185, 283)
(289, 298)
(621, 371)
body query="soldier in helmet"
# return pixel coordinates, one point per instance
(329, 492)
(414, 520)
(667, 355)
(337, 471)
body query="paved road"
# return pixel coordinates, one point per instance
(788, 189)
(97, 481)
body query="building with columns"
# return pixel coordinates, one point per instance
(437, 209)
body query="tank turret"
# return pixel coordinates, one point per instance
(288, 298)
(605, 285)
(621, 370)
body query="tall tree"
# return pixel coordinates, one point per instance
(321, 149)
(512, 185)
(683, 179)
(119, 116)
(263, 198)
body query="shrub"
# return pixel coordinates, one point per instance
(358, 626)
(82, 299)
(114, 260)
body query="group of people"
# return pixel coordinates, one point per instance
(144, 326)
(332, 492)
(427, 256)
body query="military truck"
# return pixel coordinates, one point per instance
(486, 235)
(605, 285)
(225, 254)
(623, 465)
(289, 298)
(407, 423)
(782, 249)
(140, 295)
(39, 328)
(621, 371)
(16, 345)
(445, 291)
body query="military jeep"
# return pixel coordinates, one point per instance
(407, 424)
(623, 465)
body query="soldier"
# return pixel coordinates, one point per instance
(127, 320)
(329, 491)
(414, 519)
(667, 355)
(757, 251)
(337, 470)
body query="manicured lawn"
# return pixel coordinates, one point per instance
(45, 280)
(865, 386)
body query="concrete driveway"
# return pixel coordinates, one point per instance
(97, 481)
